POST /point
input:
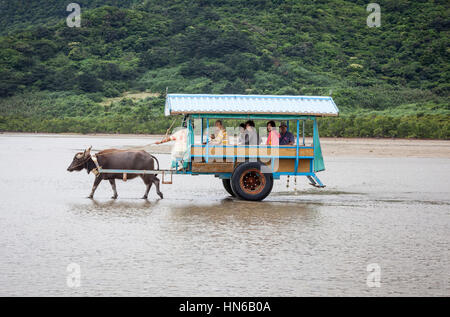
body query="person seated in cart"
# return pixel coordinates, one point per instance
(273, 138)
(243, 136)
(251, 133)
(286, 137)
(220, 136)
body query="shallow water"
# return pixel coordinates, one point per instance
(198, 241)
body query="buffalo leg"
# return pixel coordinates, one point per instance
(148, 183)
(94, 187)
(156, 182)
(113, 185)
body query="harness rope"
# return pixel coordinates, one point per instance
(146, 147)
(131, 149)
(140, 148)
(84, 162)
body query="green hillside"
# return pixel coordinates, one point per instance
(391, 81)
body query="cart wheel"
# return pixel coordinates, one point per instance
(227, 186)
(249, 183)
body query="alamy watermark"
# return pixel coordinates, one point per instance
(74, 18)
(73, 279)
(234, 151)
(374, 276)
(374, 18)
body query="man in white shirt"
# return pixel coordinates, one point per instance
(180, 148)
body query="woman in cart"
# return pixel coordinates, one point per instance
(273, 138)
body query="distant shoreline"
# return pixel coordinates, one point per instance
(331, 147)
(119, 135)
(137, 135)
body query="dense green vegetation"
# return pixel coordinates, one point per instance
(391, 81)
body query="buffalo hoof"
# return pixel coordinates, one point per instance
(90, 197)
(113, 197)
(144, 197)
(161, 195)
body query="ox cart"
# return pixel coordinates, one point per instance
(246, 170)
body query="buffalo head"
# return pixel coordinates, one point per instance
(79, 160)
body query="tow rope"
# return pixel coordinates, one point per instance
(147, 146)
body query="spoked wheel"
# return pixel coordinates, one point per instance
(227, 185)
(252, 181)
(249, 183)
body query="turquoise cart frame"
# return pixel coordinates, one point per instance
(316, 162)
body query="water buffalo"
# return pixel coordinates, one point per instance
(117, 159)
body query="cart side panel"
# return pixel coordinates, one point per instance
(212, 167)
(234, 151)
(288, 166)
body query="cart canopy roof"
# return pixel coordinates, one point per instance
(250, 105)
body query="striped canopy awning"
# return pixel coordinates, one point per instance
(250, 104)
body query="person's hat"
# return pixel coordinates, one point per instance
(283, 124)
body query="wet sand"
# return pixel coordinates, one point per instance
(344, 147)
(391, 209)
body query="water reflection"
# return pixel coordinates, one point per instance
(244, 211)
(123, 208)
